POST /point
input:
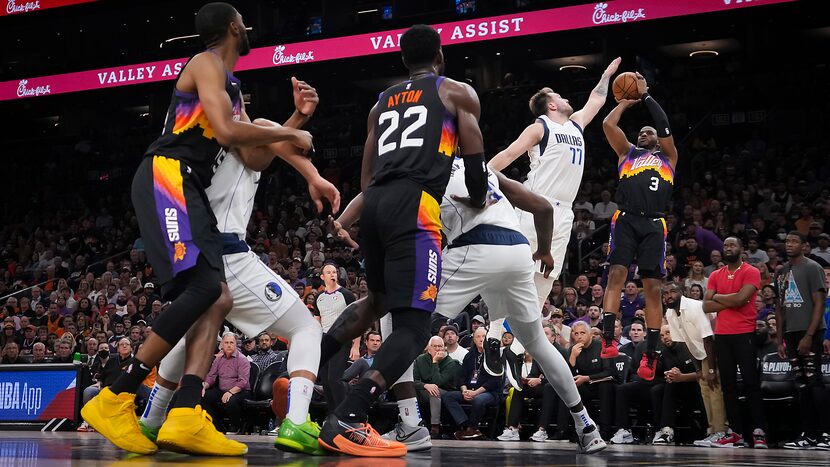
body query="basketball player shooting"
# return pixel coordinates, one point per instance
(638, 228)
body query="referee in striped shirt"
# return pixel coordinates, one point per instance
(329, 305)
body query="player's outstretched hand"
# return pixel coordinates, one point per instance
(342, 234)
(627, 103)
(547, 262)
(612, 67)
(319, 188)
(305, 97)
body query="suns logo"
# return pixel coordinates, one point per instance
(180, 252)
(431, 293)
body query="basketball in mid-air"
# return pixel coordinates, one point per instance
(625, 86)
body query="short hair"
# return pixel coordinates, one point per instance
(677, 285)
(539, 102)
(581, 323)
(737, 239)
(420, 45)
(436, 339)
(372, 333)
(212, 21)
(801, 237)
(39, 345)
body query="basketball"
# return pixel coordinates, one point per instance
(625, 86)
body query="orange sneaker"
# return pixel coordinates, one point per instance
(357, 439)
(279, 401)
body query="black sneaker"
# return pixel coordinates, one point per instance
(803, 442)
(512, 369)
(492, 357)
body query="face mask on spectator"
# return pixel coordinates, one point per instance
(104, 353)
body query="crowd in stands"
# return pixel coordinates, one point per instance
(75, 285)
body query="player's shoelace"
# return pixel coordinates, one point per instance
(366, 435)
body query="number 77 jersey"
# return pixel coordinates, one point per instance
(557, 162)
(417, 136)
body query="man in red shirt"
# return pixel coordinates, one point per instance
(730, 292)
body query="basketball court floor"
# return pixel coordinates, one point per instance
(64, 449)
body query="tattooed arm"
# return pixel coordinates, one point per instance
(597, 98)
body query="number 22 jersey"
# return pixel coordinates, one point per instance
(417, 136)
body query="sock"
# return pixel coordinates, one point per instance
(328, 348)
(190, 392)
(652, 337)
(495, 330)
(131, 379)
(581, 418)
(299, 397)
(355, 406)
(608, 320)
(157, 404)
(408, 410)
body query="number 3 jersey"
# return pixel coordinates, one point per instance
(416, 135)
(646, 182)
(556, 163)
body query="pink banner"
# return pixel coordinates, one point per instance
(459, 32)
(16, 7)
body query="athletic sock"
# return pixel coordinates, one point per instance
(299, 397)
(408, 410)
(131, 379)
(652, 337)
(581, 418)
(190, 392)
(157, 405)
(355, 406)
(608, 322)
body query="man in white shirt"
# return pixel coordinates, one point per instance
(605, 208)
(823, 249)
(451, 341)
(688, 323)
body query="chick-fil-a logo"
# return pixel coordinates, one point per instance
(601, 17)
(300, 57)
(12, 7)
(23, 91)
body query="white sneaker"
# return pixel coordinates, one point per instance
(416, 438)
(540, 436)
(709, 440)
(663, 437)
(622, 436)
(510, 434)
(589, 440)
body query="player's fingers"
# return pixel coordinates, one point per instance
(319, 205)
(335, 202)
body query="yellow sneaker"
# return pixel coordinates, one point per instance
(191, 431)
(113, 415)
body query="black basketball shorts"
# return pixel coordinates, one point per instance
(174, 217)
(400, 230)
(641, 238)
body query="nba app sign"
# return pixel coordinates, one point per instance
(37, 395)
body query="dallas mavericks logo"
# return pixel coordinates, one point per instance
(273, 292)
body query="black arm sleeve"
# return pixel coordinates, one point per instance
(475, 177)
(661, 121)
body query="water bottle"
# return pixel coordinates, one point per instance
(76, 359)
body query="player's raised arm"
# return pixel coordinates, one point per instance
(597, 98)
(613, 133)
(529, 137)
(661, 124)
(468, 112)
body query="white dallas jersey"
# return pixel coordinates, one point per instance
(557, 162)
(458, 218)
(231, 194)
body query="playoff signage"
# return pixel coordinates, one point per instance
(458, 32)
